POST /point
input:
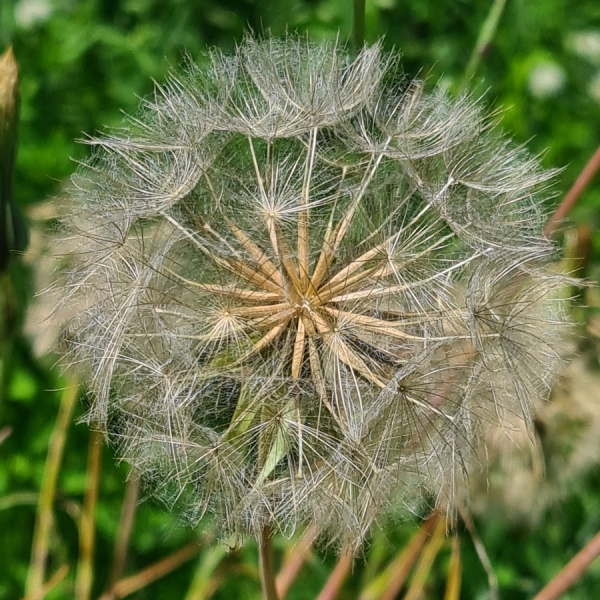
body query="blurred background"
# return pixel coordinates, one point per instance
(85, 62)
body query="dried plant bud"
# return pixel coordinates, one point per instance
(13, 231)
(307, 288)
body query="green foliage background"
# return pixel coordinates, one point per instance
(84, 61)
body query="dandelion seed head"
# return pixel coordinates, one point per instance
(305, 288)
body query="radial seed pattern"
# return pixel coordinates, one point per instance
(305, 288)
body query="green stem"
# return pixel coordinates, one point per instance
(206, 578)
(18, 499)
(486, 34)
(44, 520)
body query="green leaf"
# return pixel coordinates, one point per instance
(280, 445)
(243, 415)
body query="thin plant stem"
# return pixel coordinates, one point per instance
(206, 581)
(132, 492)
(54, 581)
(428, 556)
(486, 34)
(31, 498)
(267, 570)
(87, 529)
(337, 577)
(581, 183)
(358, 24)
(293, 562)
(18, 499)
(391, 580)
(572, 571)
(43, 525)
(481, 553)
(454, 571)
(159, 569)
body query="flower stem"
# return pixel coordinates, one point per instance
(581, 183)
(267, 571)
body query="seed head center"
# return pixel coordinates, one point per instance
(305, 305)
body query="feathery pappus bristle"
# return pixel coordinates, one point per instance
(305, 286)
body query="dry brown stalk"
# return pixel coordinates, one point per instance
(337, 577)
(129, 585)
(572, 571)
(9, 117)
(583, 180)
(391, 580)
(293, 562)
(128, 509)
(429, 554)
(87, 525)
